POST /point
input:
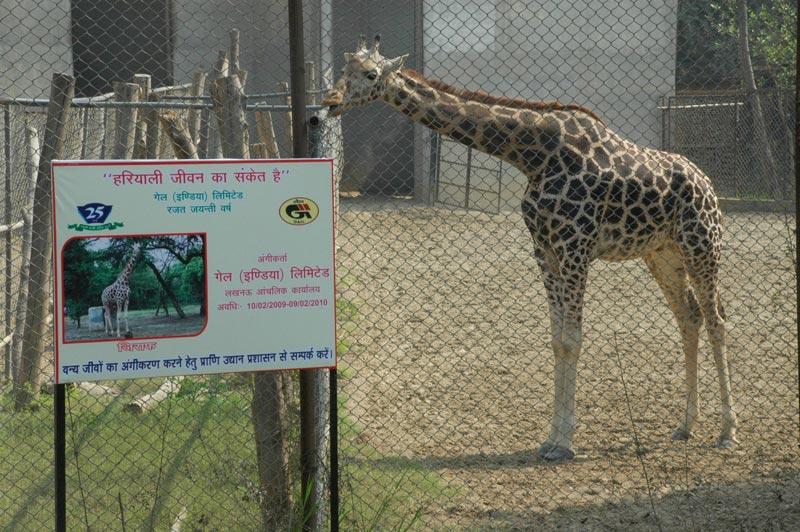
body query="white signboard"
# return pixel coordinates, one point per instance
(192, 267)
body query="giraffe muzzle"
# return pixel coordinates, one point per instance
(333, 102)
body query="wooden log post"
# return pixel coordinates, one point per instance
(266, 134)
(286, 122)
(235, 67)
(125, 125)
(177, 129)
(259, 151)
(153, 142)
(93, 134)
(210, 146)
(311, 83)
(140, 135)
(31, 170)
(271, 428)
(149, 401)
(28, 382)
(194, 118)
(228, 99)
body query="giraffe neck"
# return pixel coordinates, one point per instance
(125, 275)
(524, 134)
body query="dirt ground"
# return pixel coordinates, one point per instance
(140, 325)
(449, 368)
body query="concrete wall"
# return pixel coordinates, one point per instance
(616, 58)
(378, 141)
(34, 43)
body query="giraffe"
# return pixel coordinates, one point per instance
(117, 295)
(591, 195)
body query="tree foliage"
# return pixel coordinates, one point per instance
(90, 265)
(707, 47)
(773, 38)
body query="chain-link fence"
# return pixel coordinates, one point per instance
(446, 377)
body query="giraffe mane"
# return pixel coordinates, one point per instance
(490, 99)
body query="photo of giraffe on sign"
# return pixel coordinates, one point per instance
(165, 268)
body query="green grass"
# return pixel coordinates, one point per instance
(381, 492)
(378, 491)
(188, 309)
(195, 450)
(114, 457)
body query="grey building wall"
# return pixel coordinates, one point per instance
(549, 50)
(34, 43)
(378, 141)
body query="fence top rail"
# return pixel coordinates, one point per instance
(280, 94)
(87, 100)
(99, 104)
(699, 105)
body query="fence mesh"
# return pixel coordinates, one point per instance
(446, 379)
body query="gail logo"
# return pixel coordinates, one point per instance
(299, 211)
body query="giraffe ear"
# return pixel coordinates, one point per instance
(348, 57)
(392, 65)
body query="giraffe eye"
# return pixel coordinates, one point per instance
(371, 75)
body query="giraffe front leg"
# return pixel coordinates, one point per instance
(565, 292)
(126, 318)
(566, 348)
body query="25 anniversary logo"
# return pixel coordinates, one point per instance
(95, 215)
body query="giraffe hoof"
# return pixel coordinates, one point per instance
(727, 444)
(554, 453)
(681, 435)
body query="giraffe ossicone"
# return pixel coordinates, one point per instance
(117, 295)
(591, 195)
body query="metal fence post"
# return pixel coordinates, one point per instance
(309, 392)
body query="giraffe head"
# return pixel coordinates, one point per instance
(363, 77)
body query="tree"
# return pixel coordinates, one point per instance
(189, 251)
(765, 152)
(708, 44)
(705, 55)
(772, 37)
(78, 272)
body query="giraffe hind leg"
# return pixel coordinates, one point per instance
(702, 265)
(109, 328)
(119, 311)
(126, 317)
(708, 297)
(668, 269)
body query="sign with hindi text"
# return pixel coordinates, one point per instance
(185, 267)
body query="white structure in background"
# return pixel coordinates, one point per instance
(618, 65)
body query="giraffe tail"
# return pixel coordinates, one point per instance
(721, 308)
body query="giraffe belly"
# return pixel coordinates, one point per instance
(627, 247)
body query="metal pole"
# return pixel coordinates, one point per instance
(298, 80)
(334, 444)
(8, 240)
(315, 137)
(60, 447)
(308, 391)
